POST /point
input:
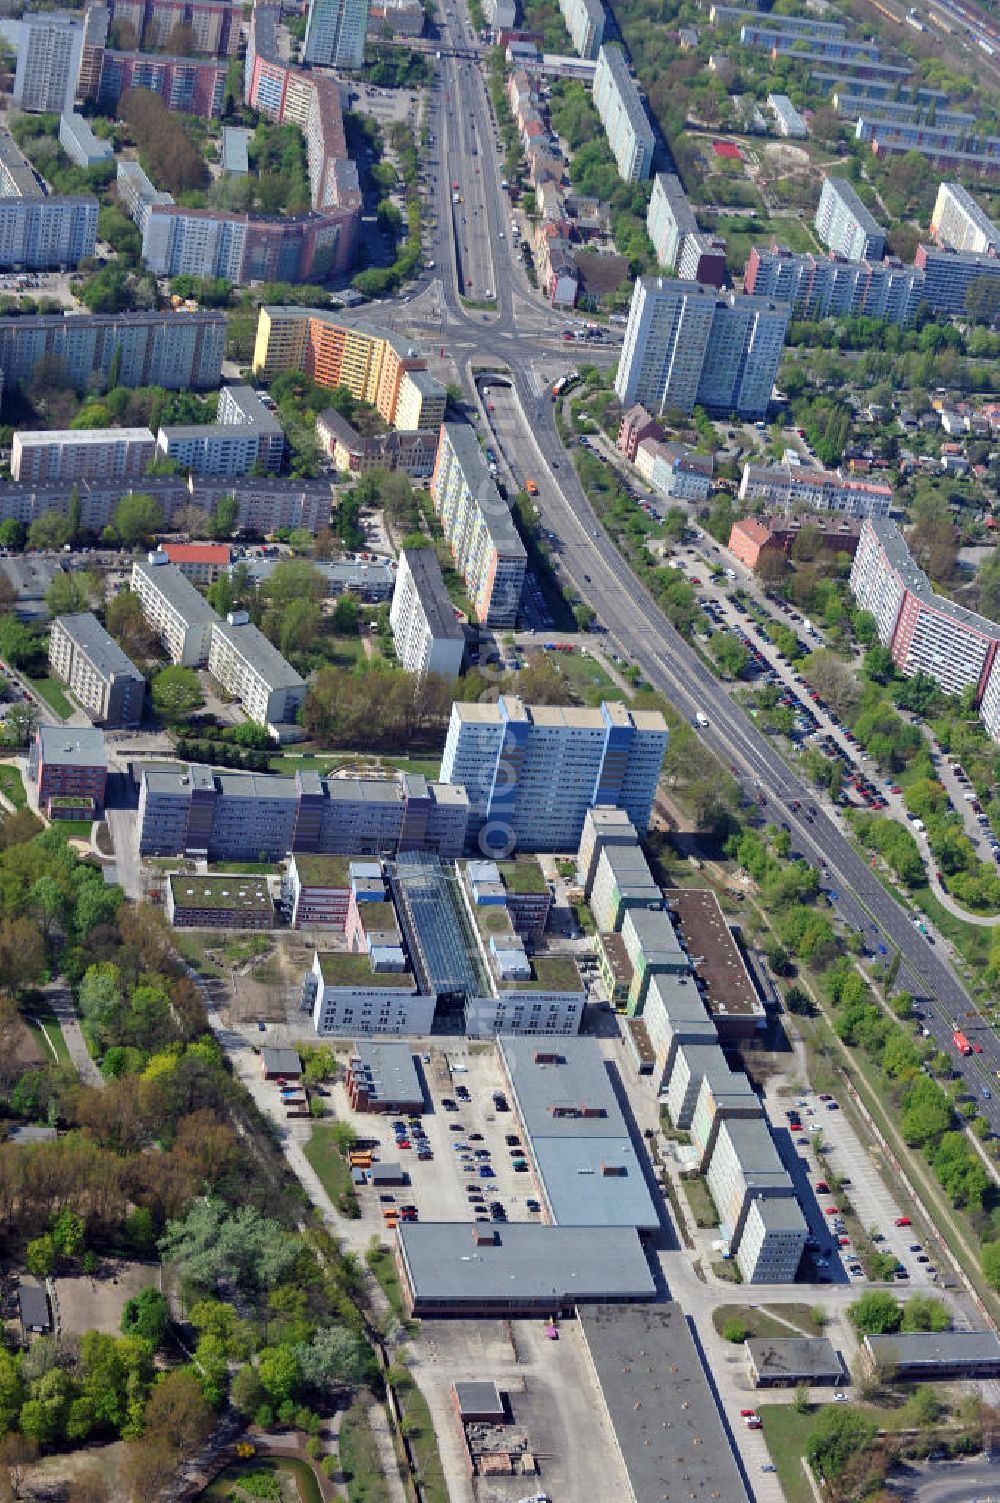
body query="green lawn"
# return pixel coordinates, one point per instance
(329, 762)
(328, 1161)
(241, 868)
(46, 1027)
(700, 1201)
(75, 829)
(583, 674)
(383, 1266)
(193, 950)
(52, 693)
(360, 1462)
(787, 1433)
(12, 784)
(423, 1442)
(286, 1469)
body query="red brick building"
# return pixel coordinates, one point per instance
(68, 762)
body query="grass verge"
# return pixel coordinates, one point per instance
(360, 1462)
(701, 1203)
(12, 784)
(75, 829)
(382, 1265)
(419, 1431)
(787, 1434)
(48, 690)
(45, 1026)
(328, 1161)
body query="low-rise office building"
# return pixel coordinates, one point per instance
(622, 880)
(383, 1077)
(317, 891)
(425, 632)
(717, 963)
(751, 537)
(93, 666)
(933, 1356)
(252, 670)
(356, 454)
(675, 1014)
(80, 144)
(231, 902)
(755, 1199)
(366, 993)
(171, 604)
(787, 1361)
(67, 762)
(603, 825)
(67, 455)
(654, 949)
(614, 969)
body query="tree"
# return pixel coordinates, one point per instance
(344, 616)
(876, 1313)
(11, 534)
(840, 1433)
(49, 531)
(178, 1413)
(176, 691)
(226, 517)
(280, 1374)
(335, 1358)
(213, 1245)
(146, 1314)
(69, 593)
(924, 1313)
(730, 654)
(989, 1262)
(878, 664)
(735, 1330)
(137, 518)
(18, 642)
(40, 1257)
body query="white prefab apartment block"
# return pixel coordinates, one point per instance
(958, 221)
(532, 771)
(246, 436)
(80, 144)
(793, 486)
(172, 605)
(585, 24)
(686, 344)
(670, 217)
(43, 457)
(250, 668)
(478, 526)
(845, 225)
(755, 1199)
(628, 130)
(425, 633)
(48, 62)
(106, 682)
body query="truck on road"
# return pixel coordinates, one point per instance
(961, 1042)
(701, 718)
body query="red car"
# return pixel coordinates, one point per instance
(902, 1221)
(832, 1211)
(844, 1241)
(822, 1188)
(977, 1048)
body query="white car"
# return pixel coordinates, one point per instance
(840, 1398)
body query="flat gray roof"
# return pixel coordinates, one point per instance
(435, 601)
(496, 514)
(525, 1261)
(282, 1061)
(893, 545)
(590, 1171)
(393, 1070)
(852, 201)
(72, 746)
(478, 1398)
(926, 1348)
(234, 150)
(681, 999)
(177, 590)
(794, 1356)
(102, 650)
(263, 657)
(660, 1404)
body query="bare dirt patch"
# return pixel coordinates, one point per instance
(782, 158)
(96, 1304)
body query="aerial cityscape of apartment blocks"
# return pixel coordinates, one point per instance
(623, 116)
(856, 104)
(948, 274)
(802, 26)
(478, 527)
(242, 247)
(80, 144)
(335, 33)
(845, 225)
(236, 816)
(957, 221)
(820, 286)
(375, 365)
(100, 676)
(425, 632)
(246, 436)
(179, 613)
(791, 486)
(174, 350)
(677, 240)
(925, 632)
(686, 345)
(192, 85)
(215, 23)
(39, 458)
(532, 771)
(585, 24)
(49, 48)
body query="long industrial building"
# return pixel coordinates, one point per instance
(688, 346)
(106, 682)
(374, 364)
(533, 771)
(236, 816)
(926, 632)
(478, 527)
(821, 287)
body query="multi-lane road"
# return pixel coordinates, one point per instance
(520, 331)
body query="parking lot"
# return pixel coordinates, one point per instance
(459, 1164)
(855, 1165)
